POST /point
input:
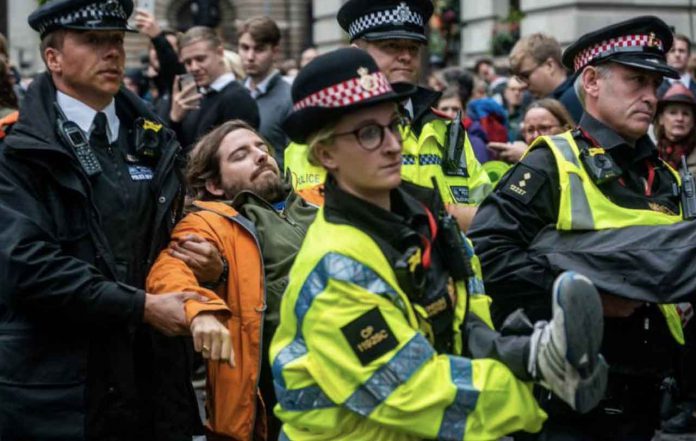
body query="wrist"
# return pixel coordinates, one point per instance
(221, 280)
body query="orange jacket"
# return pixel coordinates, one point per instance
(232, 392)
(8, 121)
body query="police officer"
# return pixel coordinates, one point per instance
(377, 324)
(393, 33)
(88, 195)
(604, 175)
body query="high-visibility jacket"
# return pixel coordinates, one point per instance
(583, 206)
(422, 161)
(304, 175)
(326, 390)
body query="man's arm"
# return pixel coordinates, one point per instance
(39, 277)
(504, 226)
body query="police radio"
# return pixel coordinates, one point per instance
(688, 191)
(454, 163)
(72, 135)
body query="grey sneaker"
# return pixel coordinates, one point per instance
(564, 353)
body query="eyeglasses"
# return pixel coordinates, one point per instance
(523, 76)
(541, 130)
(371, 136)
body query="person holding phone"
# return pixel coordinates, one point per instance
(164, 64)
(214, 96)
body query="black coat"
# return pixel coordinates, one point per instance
(75, 360)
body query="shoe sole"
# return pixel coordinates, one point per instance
(583, 323)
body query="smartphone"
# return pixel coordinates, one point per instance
(185, 80)
(147, 5)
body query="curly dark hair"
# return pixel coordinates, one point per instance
(7, 95)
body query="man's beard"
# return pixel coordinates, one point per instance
(271, 189)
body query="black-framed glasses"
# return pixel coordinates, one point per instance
(371, 136)
(523, 76)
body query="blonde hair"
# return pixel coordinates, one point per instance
(233, 63)
(540, 47)
(315, 139)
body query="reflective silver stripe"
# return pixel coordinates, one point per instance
(453, 426)
(390, 376)
(332, 266)
(580, 212)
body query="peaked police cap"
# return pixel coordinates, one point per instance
(385, 19)
(640, 42)
(87, 15)
(334, 84)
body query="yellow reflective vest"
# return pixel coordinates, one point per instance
(583, 206)
(422, 161)
(326, 390)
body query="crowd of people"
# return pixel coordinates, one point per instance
(345, 247)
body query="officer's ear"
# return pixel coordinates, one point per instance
(213, 187)
(53, 59)
(590, 81)
(326, 156)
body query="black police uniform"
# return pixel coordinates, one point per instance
(638, 348)
(76, 242)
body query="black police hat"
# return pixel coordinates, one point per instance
(385, 19)
(89, 15)
(332, 85)
(640, 42)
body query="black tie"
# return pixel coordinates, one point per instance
(98, 138)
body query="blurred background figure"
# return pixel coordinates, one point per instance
(678, 58)
(164, 63)
(233, 64)
(674, 126)
(542, 117)
(259, 46)
(289, 68)
(8, 98)
(308, 54)
(536, 61)
(485, 70)
(515, 99)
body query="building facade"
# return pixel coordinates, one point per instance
(293, 18)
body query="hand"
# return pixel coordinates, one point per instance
(202, 257)
(615, 306)
(212, 338)
(146, 23)
(165, 312)
(509, 151)
(183, 101)
(464, 214)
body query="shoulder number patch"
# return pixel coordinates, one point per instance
(369, 336)
(523, 183)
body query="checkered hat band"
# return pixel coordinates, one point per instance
(346, 93)
(625, 43)
(400, 14)
(96, 11)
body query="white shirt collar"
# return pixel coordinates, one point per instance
(222, 81)
(83, 115)
(408, 106)
(262, 87)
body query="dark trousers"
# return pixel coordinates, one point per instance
(630, 412)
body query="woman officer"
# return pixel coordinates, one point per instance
(371, 331)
